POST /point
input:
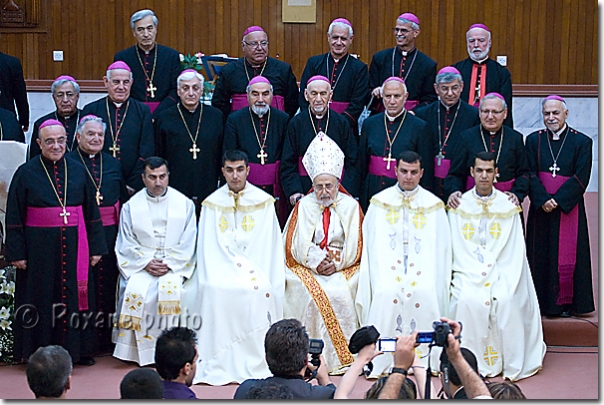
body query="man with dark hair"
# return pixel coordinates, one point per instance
(176, 361)
(286, 345)
(404, 233)
(456, 389)
(241, 277)
(155, 250)
(492, 292)
(48, 372)
(142, 383)
(270, 390)
(154, 66)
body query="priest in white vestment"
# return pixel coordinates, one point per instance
(492, 292)
(241, 277)
(155, 250)
(323, 245)
(406, 263)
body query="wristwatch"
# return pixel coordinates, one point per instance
(399, 370)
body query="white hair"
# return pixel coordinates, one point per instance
(84, 120)
(340, 25)
(189, 76)
(108, 74)
(403, 84)
(60, 82)
(488, 32)
(493, 96)
(414, 25)
(248, 89)
(553, 99)
(139, 15)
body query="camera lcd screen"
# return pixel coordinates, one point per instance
(424, 337)
(387, 345)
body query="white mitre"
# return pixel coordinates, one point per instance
(323, 156)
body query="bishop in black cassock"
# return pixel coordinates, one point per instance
(190, 137)
(129, 128)
(10, 129)
(445, 120)
(235, 77)
(301, 130)
(105, 172)
(154, 67)
(55, 285)
(259, 131)
(557, 237)
(65, 93)
(405, 61)
(349, 76)
(482, 75)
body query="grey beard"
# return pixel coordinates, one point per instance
(260, 110)
(480, 57)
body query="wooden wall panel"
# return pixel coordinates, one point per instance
(546, 42)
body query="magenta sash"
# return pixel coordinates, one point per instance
(567, 240)
(442, 170)
(239, 101)
(502, 186)
(110, 215)
(377, 167)
(49, 217)
(410, 104)
(338, 106)
(152, 105)
(301, 169)
(264, 175)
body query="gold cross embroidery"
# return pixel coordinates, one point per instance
(392, 217)
(334, 255)
(223, 224)
(248, 223)
(495, 230)
(490, 355)
(419, 220)
(468, 231)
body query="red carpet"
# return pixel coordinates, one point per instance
(570, 367)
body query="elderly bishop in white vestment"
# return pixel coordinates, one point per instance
(492, 291)
(153, 228)
(241, 276)
(405, 267)
(316, 232)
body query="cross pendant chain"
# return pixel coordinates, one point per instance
(194, 149)
(388, 160)
(151, 89)
(262, 155)
(98, 197)
(554, 168)
(65, 214)
(440, 157)
(114, 149)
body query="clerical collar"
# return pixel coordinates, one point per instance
(395, 117)
(117, 105)
(157, 198)
(444, 105)
(319, 117)
(149, 51)
(50, 162)
(256, 66)
(556, 135)
(408, 193)
(406, 53)
(484, 197)
(480, 62)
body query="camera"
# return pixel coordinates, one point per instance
(438, 336)
(316, 346)
(386, 344)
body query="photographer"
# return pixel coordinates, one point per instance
(286, 347)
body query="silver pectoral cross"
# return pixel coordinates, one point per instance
(388, 160)
(439, 157)
(554, 168)
(262, 155)
(151, 89)
(65, 214)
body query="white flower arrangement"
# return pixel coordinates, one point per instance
(7, 310)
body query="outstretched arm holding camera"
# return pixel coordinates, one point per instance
(348, 380)
(404, 355)
(474, 386)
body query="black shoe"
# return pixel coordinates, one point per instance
(565, 314)
(85, 361)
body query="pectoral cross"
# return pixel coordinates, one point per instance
(554, 168)
(262, 155)
(65, 214)
(439, 157)
(98, 197)
(114, 149)
(151, 89)
(388, 160)
(194, 149)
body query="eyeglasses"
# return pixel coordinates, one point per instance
(61, 141)
(487, 112)
(61, 96)
(320, 187)
(402, 30)
(256, 44)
